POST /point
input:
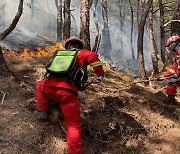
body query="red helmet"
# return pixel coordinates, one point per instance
(74, 40)
(171, 40)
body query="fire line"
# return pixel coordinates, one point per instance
(40, 52)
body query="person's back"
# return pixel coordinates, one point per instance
(84, 58)
(66, 93)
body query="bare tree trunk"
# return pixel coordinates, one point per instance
(138, 11)
(59, 20)
(121, 21)
(14, 22)
(67, 19)
(175, 26)
(141, 25)
(132, 25)
(105, 32)
(152, 43)
(162, 31)
(95, 48)
(85, 23)
(4, 71)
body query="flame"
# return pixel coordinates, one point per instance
(54, 48)
(25, 53)
(40, 52)
(10, 54)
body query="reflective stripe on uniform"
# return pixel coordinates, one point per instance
(172, 71)
(98, 63)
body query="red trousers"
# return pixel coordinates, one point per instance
(70, 108)
(172, 89)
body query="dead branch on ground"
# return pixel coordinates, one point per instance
(2, 101)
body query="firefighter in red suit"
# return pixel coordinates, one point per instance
(66, 94)
(173, 43)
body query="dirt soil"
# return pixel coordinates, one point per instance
(118, 117)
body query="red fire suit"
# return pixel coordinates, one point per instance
(64, 92)
(172, 89)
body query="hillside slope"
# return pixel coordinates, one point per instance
(118, 117)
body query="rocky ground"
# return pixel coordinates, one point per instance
(118, 117)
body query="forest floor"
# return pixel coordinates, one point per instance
(118, 117)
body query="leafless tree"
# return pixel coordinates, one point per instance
(162, 31)
(107, 46)
(4, 34)
(121, 20)
(153, 43)
(4, 71)
(59, 20)
(85, 22)
(67, 19)
(132, 27)
(141, 25)
(97, 38)
(175, 25)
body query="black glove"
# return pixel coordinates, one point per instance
(97, 79)
(175, 76)
(161, 78)
(173, 81)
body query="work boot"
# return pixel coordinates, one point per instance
(41, 115)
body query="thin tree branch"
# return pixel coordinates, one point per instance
(2, 101)
(170, 22)
(14, 22)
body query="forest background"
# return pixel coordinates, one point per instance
(127, 34)
(119, 115)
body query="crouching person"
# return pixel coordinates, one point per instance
(64, 88)
(173, 43)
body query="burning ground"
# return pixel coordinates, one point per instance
(118, 117)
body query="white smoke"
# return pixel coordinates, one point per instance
(38, 22)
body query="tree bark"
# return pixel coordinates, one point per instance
(59, 20)
(105, 32)
(121, 22)
(175, 25)
(142, 72)
(162, 31)
(14, 22)
(85, 23)
(152, 43)
(96, 43)
(4, 71)
(67, 19)
(132, 26)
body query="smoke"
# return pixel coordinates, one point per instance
(38, 23)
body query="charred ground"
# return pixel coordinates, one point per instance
(118, 117)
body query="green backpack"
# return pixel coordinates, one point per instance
(63, 65)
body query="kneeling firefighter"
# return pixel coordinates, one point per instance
(65, 91)
(173, 43)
